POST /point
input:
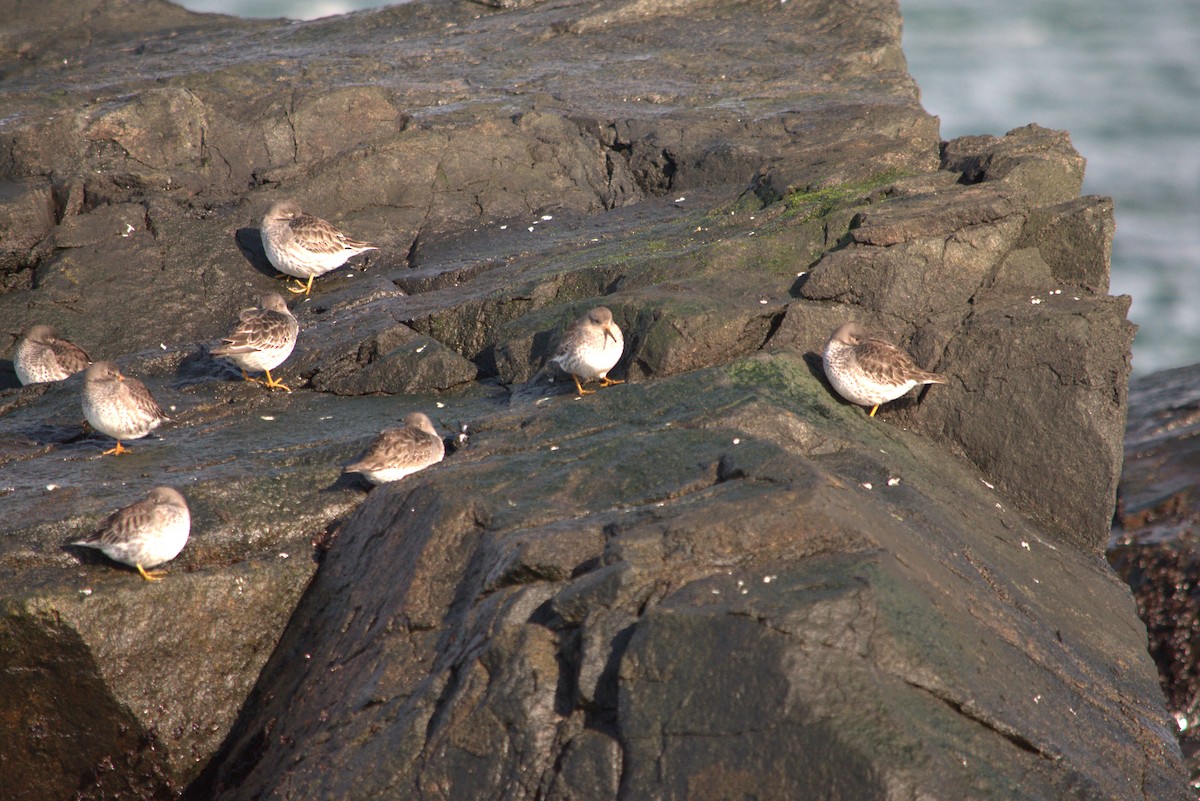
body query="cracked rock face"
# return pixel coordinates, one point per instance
(717, 580)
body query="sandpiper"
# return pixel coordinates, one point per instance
(590, 347)
(42, 355)
(398, 452)
(304, 246)
(870, 371)
(118, 406)
(263, 338)
(146, 533)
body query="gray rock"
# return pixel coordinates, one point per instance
(716, 580)
(1152, 546)
(26, 217)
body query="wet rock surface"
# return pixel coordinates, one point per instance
(1154, 536)
(714, 581)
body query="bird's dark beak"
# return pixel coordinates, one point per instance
(608, 334)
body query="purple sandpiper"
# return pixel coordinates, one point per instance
(262, 339)
(304, 246)
(869, 371)
(398, 452)
(42, 355)
(146, 533)
(118, 406)
(590, 347)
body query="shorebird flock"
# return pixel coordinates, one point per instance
(862, 369)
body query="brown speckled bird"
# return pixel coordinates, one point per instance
(146, 533)
(118, 406)
(42, 355)
(398, 452)
(304, 246)
(262, 340)
(869, 371)
(590, 347)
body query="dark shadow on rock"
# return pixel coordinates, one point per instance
(58, 435)
(249, 242)
(607, 693)
(201, 367)
(8, 375)
(547, 383)
(817, 368)
(544, 345)
(345, 481)
(91, 556)
(799, 283)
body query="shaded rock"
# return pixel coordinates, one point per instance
(1153, 544)
(364, 346)
(137, 666)
(1033, 159)
(1048, 383)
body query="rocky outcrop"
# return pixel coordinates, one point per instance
(689, 586)
(1153, 546)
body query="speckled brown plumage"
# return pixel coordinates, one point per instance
(42, 355)
(263, 339)
(399, 452)
(304, 246)
(869, 371)
(118, 406)
(145, 533)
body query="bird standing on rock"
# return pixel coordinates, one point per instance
(146, 533)
(118, 406)
(42, 355)
(590, 347)
(263, 339)
(304, 246)
(870, 371)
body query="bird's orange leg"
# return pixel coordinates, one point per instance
(151, 575)
(579, 386)
(302, 288)
(271, 383)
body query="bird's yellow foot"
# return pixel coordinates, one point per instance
(608, 382)
(874, 409)
(579, 387)
(271, 383)
(117, 451)
(151, 575)
(301, 288)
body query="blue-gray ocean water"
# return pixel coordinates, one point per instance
(1123, 76)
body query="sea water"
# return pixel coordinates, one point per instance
(1122, 76)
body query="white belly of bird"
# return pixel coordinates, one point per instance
(593, 362)
(33, 368)
(265, 359)
(117, 420)
(385, 475)
(292, 259)
(153, 551)
(851, 385)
